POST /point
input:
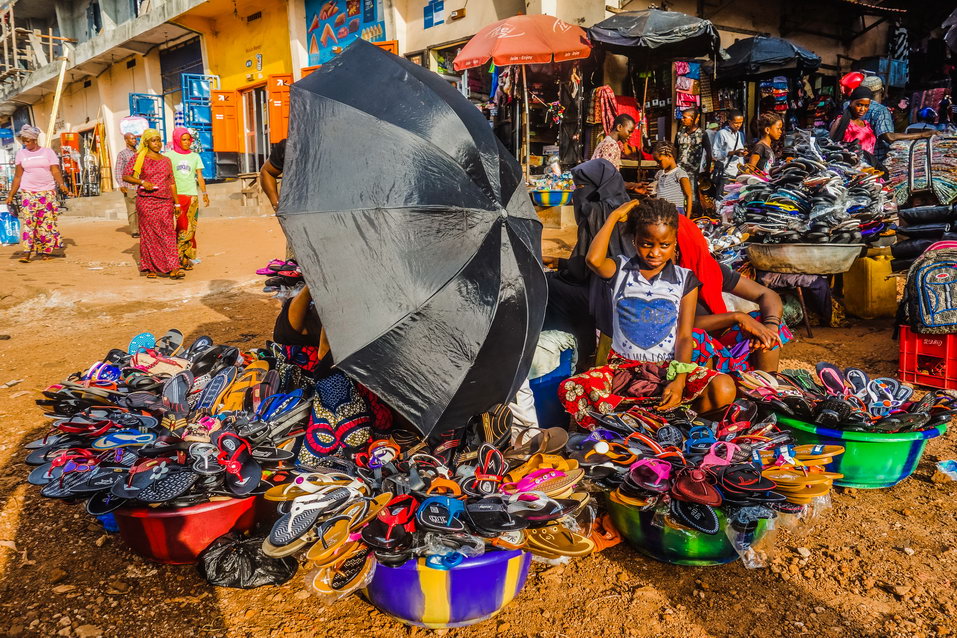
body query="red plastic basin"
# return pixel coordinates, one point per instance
(178, 536)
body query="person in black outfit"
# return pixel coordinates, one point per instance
(269, 176)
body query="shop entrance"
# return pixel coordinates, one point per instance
(255, 128)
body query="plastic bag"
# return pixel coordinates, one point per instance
(237, 561)
(9, 227)
(755, 550)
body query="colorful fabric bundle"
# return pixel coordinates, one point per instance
(604, 108)
(923, 165)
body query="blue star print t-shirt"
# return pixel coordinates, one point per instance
(646, 312)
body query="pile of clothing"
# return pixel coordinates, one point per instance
(821, 193)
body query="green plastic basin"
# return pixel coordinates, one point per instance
(675, 546)
(871, 460)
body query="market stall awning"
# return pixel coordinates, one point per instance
(524, 39)
(762, 55)
(653, 33)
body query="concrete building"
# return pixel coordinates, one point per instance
(110, 50)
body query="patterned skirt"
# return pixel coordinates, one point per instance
(186, 223)
(595, 389)
(730, 351)
(158, 252)
(38, 220)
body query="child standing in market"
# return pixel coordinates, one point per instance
(770, 128)
(653, 303)
(672, 183)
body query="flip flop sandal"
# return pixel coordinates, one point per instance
(199, 346)
(610, 452)
(832, 411)
(253, 374)
(743, 478)
(441, 514)
(170, 343)
(539, 509)
(141, 342)
(371, 509)
(903, 393)
(901, 421)
(205, 463)
(803, 380)
(45, 473)
(123, 438)
(102, 503)
(489, 473)
(883, 389)
(669, 435)
(653, 475)
(310, 483)
(343, 577)
(510, 540)
(542, 462)
(694, 485)
(556, 539)
(176, 390)
(551, 482)
(491, 515)
(700, 440)
(495, 426)
(784, 477)
(833, 379)
(168, 487)
(271, 455)
(304, 512)
(699, 517)
(243, 472)
(391, 530)
(212, 391)
(65, 485)
(858, 380)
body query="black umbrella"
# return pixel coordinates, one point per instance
(415, 234)
(751, 58)
(653, 34)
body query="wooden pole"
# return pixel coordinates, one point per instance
(56, 100)
(528, 147)
(644, 126)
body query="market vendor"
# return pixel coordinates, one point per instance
(616, 144)
(345, 415)
(728, 149)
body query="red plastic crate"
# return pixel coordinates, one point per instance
(928, 360)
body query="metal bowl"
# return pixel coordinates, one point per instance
(804, 259)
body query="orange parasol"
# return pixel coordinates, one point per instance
(524, 39)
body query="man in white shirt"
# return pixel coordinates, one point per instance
(728, 147)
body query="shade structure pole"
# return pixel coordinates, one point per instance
(644, 126)
(56, 101)
(528, 147)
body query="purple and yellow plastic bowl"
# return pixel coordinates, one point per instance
(473, 591)
(871, 460)
(551, 198)
(676, 546)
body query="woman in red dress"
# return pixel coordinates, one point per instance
(156, 206)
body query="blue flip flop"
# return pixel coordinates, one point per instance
(142, 341)
(123, 438)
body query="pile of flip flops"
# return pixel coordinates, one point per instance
(284, 277)
(820, 193)
(444, 499)
(686, 467)
(849, 399)
(157, 424)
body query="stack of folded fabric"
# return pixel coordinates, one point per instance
(822, 193)
(920, 228)
(928, 164)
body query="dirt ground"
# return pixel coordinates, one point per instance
(878, 564)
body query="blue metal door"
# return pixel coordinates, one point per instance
(197, 115)
(150, 107)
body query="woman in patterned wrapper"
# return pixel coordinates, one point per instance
(653, 304)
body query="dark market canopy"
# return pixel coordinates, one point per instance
(653, 34)
(763, 55)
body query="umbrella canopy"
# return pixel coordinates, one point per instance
(950, 37)
(655, 33)
(763, 55)
(415, 235)
(524, 39)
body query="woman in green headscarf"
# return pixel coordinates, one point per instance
(156, 207)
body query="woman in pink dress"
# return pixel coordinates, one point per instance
(156, 207)
(37, 175)
(852, 126)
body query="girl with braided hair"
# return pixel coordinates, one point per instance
(653, 305)
(672, 183)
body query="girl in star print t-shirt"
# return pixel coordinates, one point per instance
(653, 308)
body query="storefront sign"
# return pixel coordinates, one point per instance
(332, 25)
(433, 14)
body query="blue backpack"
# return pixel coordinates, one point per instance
(930, 298)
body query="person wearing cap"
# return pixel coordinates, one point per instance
(129, 194)
(36, 178)
(926, 121)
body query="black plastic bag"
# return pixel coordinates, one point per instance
(235, 560)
